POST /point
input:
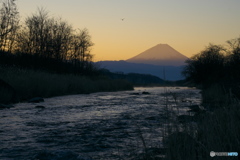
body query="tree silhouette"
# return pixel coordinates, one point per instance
(9, 20)
(216, 65)
(233, 60)
(80, 49)
(47, 37)
(206, 67)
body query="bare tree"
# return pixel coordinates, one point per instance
(45, 36)
(61, 36)
(234, 45)
(9, 19)
(80, 48)
(36, 27)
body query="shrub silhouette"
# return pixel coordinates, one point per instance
(207, 67)
(217, 65)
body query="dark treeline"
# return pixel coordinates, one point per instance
(135, 78)
(217, 65)
(141, 79)
(52, 65)
(43, 42)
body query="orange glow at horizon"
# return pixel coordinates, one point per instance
(187, 26)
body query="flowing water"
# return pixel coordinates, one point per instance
(107, 125)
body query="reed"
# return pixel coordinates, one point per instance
(31, 83)
(217, 130)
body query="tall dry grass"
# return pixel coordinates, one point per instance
(216, 130)
(30, 83)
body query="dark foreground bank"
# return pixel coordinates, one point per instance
(22, 84)
(216, 128)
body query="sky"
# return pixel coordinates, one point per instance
(186, 25)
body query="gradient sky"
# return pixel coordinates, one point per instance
(186, 25)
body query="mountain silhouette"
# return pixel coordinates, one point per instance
(161, 54)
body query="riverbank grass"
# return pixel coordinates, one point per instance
(29, 83)
(217, 129)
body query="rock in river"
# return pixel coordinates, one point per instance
(134, 94)
(145, 92)
(185, 118)
(36, 100)
(4, 106)
(40, 107)
(7, 93)
(196, 109)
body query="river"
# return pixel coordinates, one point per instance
(106, 125)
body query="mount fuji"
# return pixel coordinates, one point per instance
(161, 54)
(161, 60)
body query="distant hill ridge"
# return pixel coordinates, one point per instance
(161, 54)
(171, 72)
